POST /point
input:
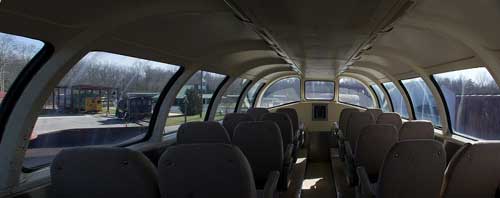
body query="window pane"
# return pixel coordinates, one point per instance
(250, 96)
(105, 99)
(191, 103)
(319, 90)
(473, 100)
(281, 92)
(15, 53)
(230, 98)
(398, 102)
(422, 100)
(384, 104)
(352, 91)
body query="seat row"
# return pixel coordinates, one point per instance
(206, 162)
(395, 159)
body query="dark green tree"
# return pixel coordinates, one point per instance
(192, 104)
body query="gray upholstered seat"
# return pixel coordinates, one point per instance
(202, 132)
(285, 125)
(357, 122)
(373, 145)
(231, 120)
(416, 129)
(345, 114)
(412, 168)
(341, 131)
(474, 171)
(375, 112)
(257, 113)
(294, 117)
(103, 172)
(390, 118)
(205, 170)
(262, 145)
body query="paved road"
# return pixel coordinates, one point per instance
(57, 123)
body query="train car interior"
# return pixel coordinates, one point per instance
(249, 98)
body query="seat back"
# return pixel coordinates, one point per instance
(205, 170)
(375, 112)
(345, 114)
(373, 145)
(416, 129)
(412, 168)
(357, 122)
(390, 118)
(257, 113)
(202, 132)
(474, 171)
(262, 145)
(103, 172)
(285, 125)
(294, 117)
(231, 120)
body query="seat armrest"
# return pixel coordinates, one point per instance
(366, 188)
(271, 184)
(348, 150)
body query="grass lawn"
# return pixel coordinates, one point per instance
(172, 121)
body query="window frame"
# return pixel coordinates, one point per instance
(22, 80)
(364, 85)
(376, 96)
(329, 81)
(214, 96)
(390, 99)
(257, 94)
(446, 110)
(412, 113)
(388, 96)
(411, 100)
(240, 98)
(268, 85)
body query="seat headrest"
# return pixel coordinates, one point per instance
(202, 132)
(103, 172)
(356, 123)
(294, 117)
(390, 118)
(257, 113)
(413, 168)
(374, 142)
(345, 114)
(284, 123)
(474, 171)
(231, 120)
(416, 129)
(262, 145)
(205, 170)
(375, 112)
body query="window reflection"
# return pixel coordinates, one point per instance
(352, 91)
(384, 104)
(422, 100)
(397, 99)
(281, 92)
(473, 99)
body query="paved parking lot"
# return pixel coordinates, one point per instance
(56, 123)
